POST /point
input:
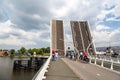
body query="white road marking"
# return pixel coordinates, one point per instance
(98, 74)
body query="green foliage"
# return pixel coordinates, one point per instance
(31, 51)
(35, 50)
(46, 54)
(20, 53)
(12, 55)
(22, 50)
(39, 51)
(47, 50)
(12, 51)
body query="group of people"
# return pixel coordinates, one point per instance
(54, 55)
(77, 56)
(72, 55)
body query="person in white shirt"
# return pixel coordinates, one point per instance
(56, 55)
(81, 55)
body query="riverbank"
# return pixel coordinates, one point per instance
(24, 56)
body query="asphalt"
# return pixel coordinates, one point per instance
(59, 70)
(87, 71)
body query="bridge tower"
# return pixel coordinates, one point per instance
(82, 38)
(57, 32)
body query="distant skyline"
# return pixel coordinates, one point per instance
(27, 22)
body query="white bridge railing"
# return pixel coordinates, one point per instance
(106, 62)
(40, 74)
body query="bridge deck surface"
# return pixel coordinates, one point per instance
(66, 69)
(59, 70)
(91, 72)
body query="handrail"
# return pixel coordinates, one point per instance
(109, 59)
(105, 60)
(112, 63)
(40, 74)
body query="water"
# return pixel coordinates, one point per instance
(7, 72)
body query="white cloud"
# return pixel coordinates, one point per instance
(13, 40)
(31, 22)
(103, 38)
(6, 27)
(36, 16)
(103, 14)
(102, 27)
(21, 37)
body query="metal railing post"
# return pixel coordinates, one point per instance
(102, 62)
(90, 59)
(95, 60)
(118, 60)
(111, 65)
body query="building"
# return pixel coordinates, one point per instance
(82, 38)
(4, 52)
(57, 36)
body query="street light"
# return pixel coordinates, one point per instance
(71, 44)
(89, 46)
(108, 33)
(74, 47)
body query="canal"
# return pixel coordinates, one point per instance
(8, 73)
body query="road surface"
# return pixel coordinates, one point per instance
(90, 72)
(59, 70)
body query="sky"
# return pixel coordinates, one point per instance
(27, 22)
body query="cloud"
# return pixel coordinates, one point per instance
(29, 20)
(13, 40)
(105, 37)
(27, 15)
(6, 26)
(17, 37)
(102, 27)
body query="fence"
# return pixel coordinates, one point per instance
(106, 61)
(40, 74)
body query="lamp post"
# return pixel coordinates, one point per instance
(89, 46)
(108, 33)
(66, 46)
(74, 47)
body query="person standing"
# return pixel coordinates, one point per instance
(71, 55)
(53, 55)
(81, 56)
(85, 56)
(77, 56)
(56, 55)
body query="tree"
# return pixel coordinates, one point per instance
(47, 50)
(30, 51)
(43, 49)
(12, 51)
(22, 50)
(33, 50)
(19, 53)
(40, 51)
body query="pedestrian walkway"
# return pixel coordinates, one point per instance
(59, 70)
(90, 72)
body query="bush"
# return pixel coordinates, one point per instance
(12, 55)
